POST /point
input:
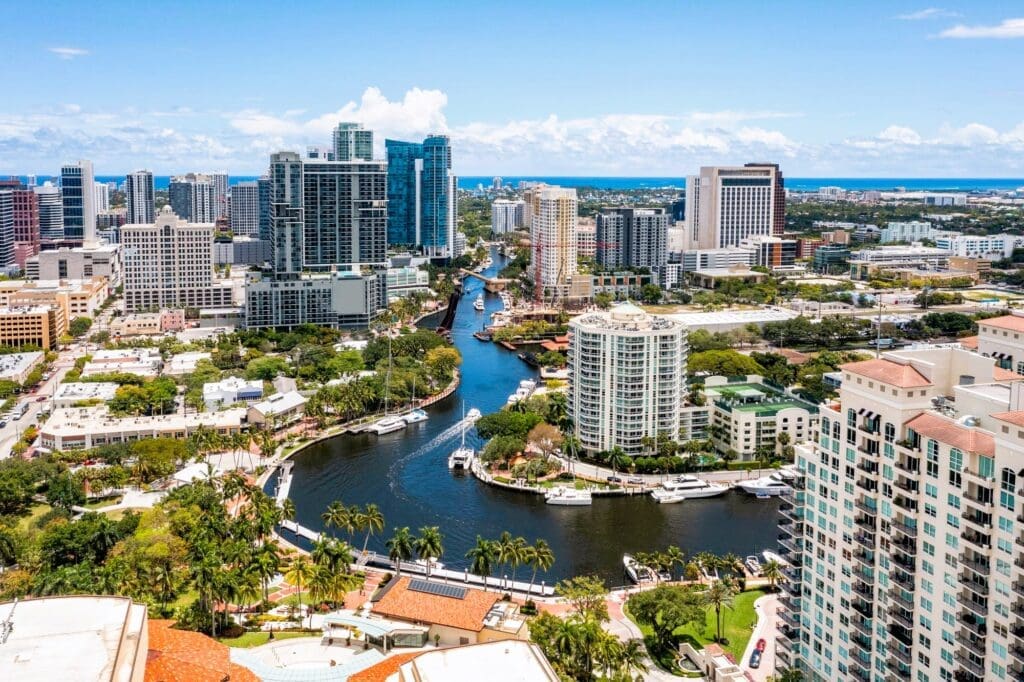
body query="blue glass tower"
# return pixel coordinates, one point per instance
(421, 195)
(404, 163)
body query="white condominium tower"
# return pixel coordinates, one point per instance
(627, 376)
(245, 208)
(506, 216)
(726, 205)
(553, 238)
(138, 188)
(904, 535)
(352, 142)
(101, 197)
(169, 264)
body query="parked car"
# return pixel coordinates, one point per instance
(761, 644)
(635, 480)
(755, 659)
(614, 479)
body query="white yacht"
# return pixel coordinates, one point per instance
(462, 457)
(568, 497)
(478, 304)
(473, 414)
(637, 572)
(525, 390)
(753, 564)
(415, 417)
(693, 487)
(766, 486)
(387, 425)
(772, 556)
(663, 496)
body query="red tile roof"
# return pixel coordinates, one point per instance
(1014, 323)
(184, 656)
(1000, 374)
(1016, 417)
(888, 372)
(969, 342)
(947, 431)
(383, 670)
(466, 614)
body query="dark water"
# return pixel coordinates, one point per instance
(406, 474)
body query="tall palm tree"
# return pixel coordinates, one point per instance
(266, 563)
(300, 570)
(719, 596)
(632, 657)
(372, 521)
(541, 558)
(772, 570)
(288, 509)
(503, 548)
(400, 547)
(518, 554)
(482, 556)
(429, 545)
(675, 557)
(617, 458)
(335, 516)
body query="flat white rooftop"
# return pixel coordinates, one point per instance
(502, 661)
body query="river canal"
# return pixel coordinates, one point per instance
(406, 475)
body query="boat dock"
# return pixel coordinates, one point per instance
(435, 570)
(284, 481)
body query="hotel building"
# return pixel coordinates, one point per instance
(727, 205)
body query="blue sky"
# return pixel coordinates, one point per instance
(575, 88)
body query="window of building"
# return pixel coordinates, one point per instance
(956, 465)
(1007, 485)
(932, 465)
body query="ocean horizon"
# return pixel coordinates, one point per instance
(471, 182)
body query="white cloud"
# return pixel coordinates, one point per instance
(1008, 28)
(900, 134)
(68, 52)
(930, 13)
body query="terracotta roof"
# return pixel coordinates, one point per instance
(969, 342)
(184, 656)
(466, 614)
(1016, 418)
(794, 356)
(947, 431)
(1000, 374)
(383, 670)
(888, 372)
(1013, 323)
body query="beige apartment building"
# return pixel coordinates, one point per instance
(77, 298)
(553, 238)
(904, 536)
(39, 325)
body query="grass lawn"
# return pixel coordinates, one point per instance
(103, 502)
(37, 510)
(293, 599)
(737, 626)
(251, 639)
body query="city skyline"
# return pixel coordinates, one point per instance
(874, 90)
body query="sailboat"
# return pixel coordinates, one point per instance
(388, 423)
(462, 456)
(415, 415)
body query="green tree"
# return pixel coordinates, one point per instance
(429, 545)
(372, 521)
(336, 516)
(719, 596)
(587, 595)
(722, 363)
(772, 571)
(400, 547)
(299, 572)
(482, 556)
(540, 557)
(79, 326)
(65, 492)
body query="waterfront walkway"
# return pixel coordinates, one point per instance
(601, 473)
(767, 609)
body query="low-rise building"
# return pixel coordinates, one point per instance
(1002, 338)
(230, 391)
(748, 414)
(78, 298)
(407, 280)
(17, 366)
(144, 362)
(278, 410)
(77, 428)
(37, 325)
(505, 661)
(456, 614)
(75, 393)
(712, 277)
(911, 231)
(148, 324)
(185, 363)
(80, 263)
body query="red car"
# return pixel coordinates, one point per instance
(761, 644)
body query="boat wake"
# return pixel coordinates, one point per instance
(449, 434)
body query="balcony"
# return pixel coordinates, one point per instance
(1017, 651)
(904, 561)
(898, 615)
(970, 666)
(1019, 561)
(906, 529)
(867, 484)
(901, 655)
(789, 544)
(1018, 587)
(862, 643)
(970, 603)
(913, 445)
(906, 484)
(976, 478)
(864, 575)
(979, 519)
(1015, 672)
(903, 579)
(901, 634)
(791, 603)
(898, 597)
(979, 496)
(863, 589)
(868, 467)
(1017, 608)
(978, 587)
(862, 607)
(862, 625)
(975, 646)
(971, 625)
(905, 503)
(981, 566)
(909, 464)
(869, 509)
(865, 540)
(791, 513)
(860, 671)
(980, 541)
(865, 521)
(908, 547)
(866, 558)
(787, 619)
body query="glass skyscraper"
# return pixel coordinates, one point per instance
(76, 184)
(421, 195)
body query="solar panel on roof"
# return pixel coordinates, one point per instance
(439, 589)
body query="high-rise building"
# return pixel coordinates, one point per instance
(779, 213)
(220, 195)
(193, 197)
(328, 228)
(352, 142)
(77, 184)
(902, 536)
(6, 228)
(506, 216)
(627, 376)
(632, 238)
(101, 195)
(422, 195)
(245, 208)
(51, 212)
(139, 192)
(553, 238)
(169, 264)
(726, 205)
(26, 220)
(264, 192)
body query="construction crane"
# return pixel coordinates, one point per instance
(538, 251)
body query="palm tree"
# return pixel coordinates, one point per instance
(321, 585)
(503, 548)
(675, 557)
(429, 545)
(335, 516)
(718, 596)
(772, 570)
(618, 458)
(518, 554)
(632, 656)
(372, 521)
(541, 557)
(300, 570)
(248, 592)
(482, 556)
(400, 547)
(287, 508)
(266, 563)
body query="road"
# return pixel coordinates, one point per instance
(767, 608)
(10, 434)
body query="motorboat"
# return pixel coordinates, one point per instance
(753, 564)
(478, 304)
(766, 486)
(568, 497)
(772, 556)
(387, 425)
(637, 572)
(663, 496)
(415, 417)
(473, 414)
(523, 391)
(693, 487)
(462, 457)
